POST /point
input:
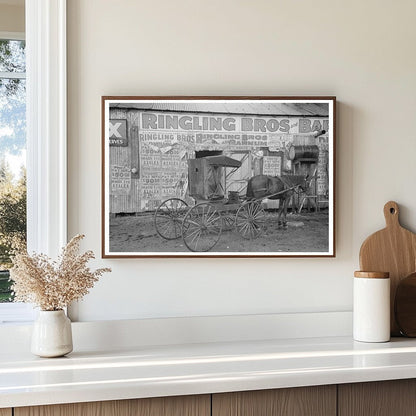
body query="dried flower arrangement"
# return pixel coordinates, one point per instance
(53, 285)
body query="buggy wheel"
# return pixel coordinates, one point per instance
(228, 220)
(168, 218)
(202, 227)
(250, 220)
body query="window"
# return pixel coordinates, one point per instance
(12, 165)
(12, 154)
(46, 134)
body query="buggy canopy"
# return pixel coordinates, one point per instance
(223, 161)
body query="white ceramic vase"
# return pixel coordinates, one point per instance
(52, 334)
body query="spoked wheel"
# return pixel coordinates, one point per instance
(228, 220)
(168, 218)
(250, 220)
(202, 227)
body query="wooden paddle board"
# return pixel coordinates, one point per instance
(392, 250)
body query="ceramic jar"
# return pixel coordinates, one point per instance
(371, 309)
(52, 334)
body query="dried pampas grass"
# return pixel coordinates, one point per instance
(53, 285)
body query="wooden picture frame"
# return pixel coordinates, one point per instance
(218, 176)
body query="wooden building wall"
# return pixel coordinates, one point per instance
(145, 172)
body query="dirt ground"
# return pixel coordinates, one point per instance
(306, 232)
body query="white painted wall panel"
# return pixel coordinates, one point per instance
(362, 52)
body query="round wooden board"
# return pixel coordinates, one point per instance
(405, 306)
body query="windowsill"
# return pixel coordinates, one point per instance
(16, 313)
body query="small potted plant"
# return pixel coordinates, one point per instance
(52, 286)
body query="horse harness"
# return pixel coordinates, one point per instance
(288, 187)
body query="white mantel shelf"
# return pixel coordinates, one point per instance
(151, 371)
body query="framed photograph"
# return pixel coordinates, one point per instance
(218, 176)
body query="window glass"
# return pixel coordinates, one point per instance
(12, 56)
(12, 156)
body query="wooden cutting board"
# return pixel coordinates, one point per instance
(392, 250)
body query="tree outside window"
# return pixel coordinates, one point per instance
(12, 156)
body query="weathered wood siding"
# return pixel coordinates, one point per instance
(128, 157)
(154, 165)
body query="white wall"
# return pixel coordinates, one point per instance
(12, 17)
(361, 51)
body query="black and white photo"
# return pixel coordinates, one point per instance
(223, 177)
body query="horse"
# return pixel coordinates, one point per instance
(276, 187)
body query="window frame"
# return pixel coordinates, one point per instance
(14, 312)
(46, 136)
(46, 125)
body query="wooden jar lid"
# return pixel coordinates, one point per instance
(372, 275)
